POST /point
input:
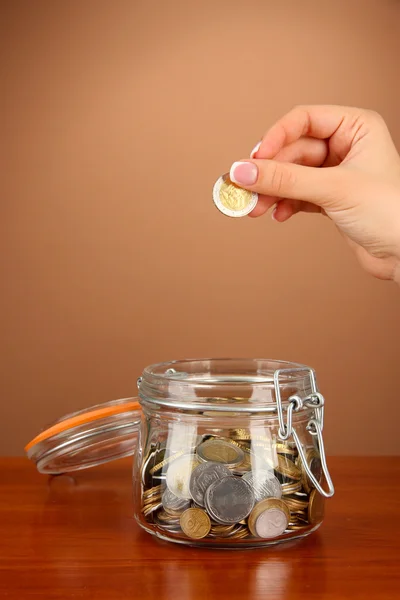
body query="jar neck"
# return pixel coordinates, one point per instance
(224, 385)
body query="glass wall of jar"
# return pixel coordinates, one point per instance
(230, 453)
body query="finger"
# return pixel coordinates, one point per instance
(263, 205)
(306, 151)
(309, 152)
(326, 187)
(304, 121)
(286, 208)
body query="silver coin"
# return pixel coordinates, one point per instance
(221, 452)
(271, 523)
(229, 500)
(179, 473)
(264, 484)
(171, 502)
(203, 476)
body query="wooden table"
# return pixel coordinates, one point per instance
(74, 537)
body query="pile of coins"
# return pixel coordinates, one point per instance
(231, 487)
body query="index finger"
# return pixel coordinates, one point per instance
(320, 122)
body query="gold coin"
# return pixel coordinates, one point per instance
(220, 451)
(195, 523)
(264, 505)
(240, 445)
(153, 500)
(239, 434)
(291, 488)
(157, 489)
(216, 400)
(287, 468)
(302, 517)
(316, 507)
(166, 518)
(148, 509)
(285, 448)
(221, 530)
(295, 504)
(165, 462)
(240, 534)
(231, 199)
(244, 466)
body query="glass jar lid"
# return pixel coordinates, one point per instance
(87, 438)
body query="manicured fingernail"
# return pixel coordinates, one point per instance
(273, 214)
(244, 173)
(255, 150)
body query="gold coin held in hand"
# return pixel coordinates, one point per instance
(195, 523)
(231, 199)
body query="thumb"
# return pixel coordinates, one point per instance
(325, 187)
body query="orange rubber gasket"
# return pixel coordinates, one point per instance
(87, 417)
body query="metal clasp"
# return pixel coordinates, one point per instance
(315, 425)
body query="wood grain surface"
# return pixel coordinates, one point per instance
(74, 537)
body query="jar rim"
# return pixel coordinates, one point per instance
(194, 383)
(159, 371)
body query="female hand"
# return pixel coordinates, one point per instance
(358, 186)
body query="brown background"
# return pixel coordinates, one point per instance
(118, 118)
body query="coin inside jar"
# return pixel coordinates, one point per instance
(269, 518)
(296, 504)
(240, 434)
(221, 452)
(154, 491)
(221, 530)
(271, 523)
(173, 504)
(231, 199)
(316, 507)
(291, 488)
(315, 465)
(179, 473)
(264, 484)
(155, 457)
(229, 500)
(203, 476)
(286, 448)
(195, 523)
(287, 468)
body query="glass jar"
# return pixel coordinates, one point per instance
(231, 453)
(228, 453)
